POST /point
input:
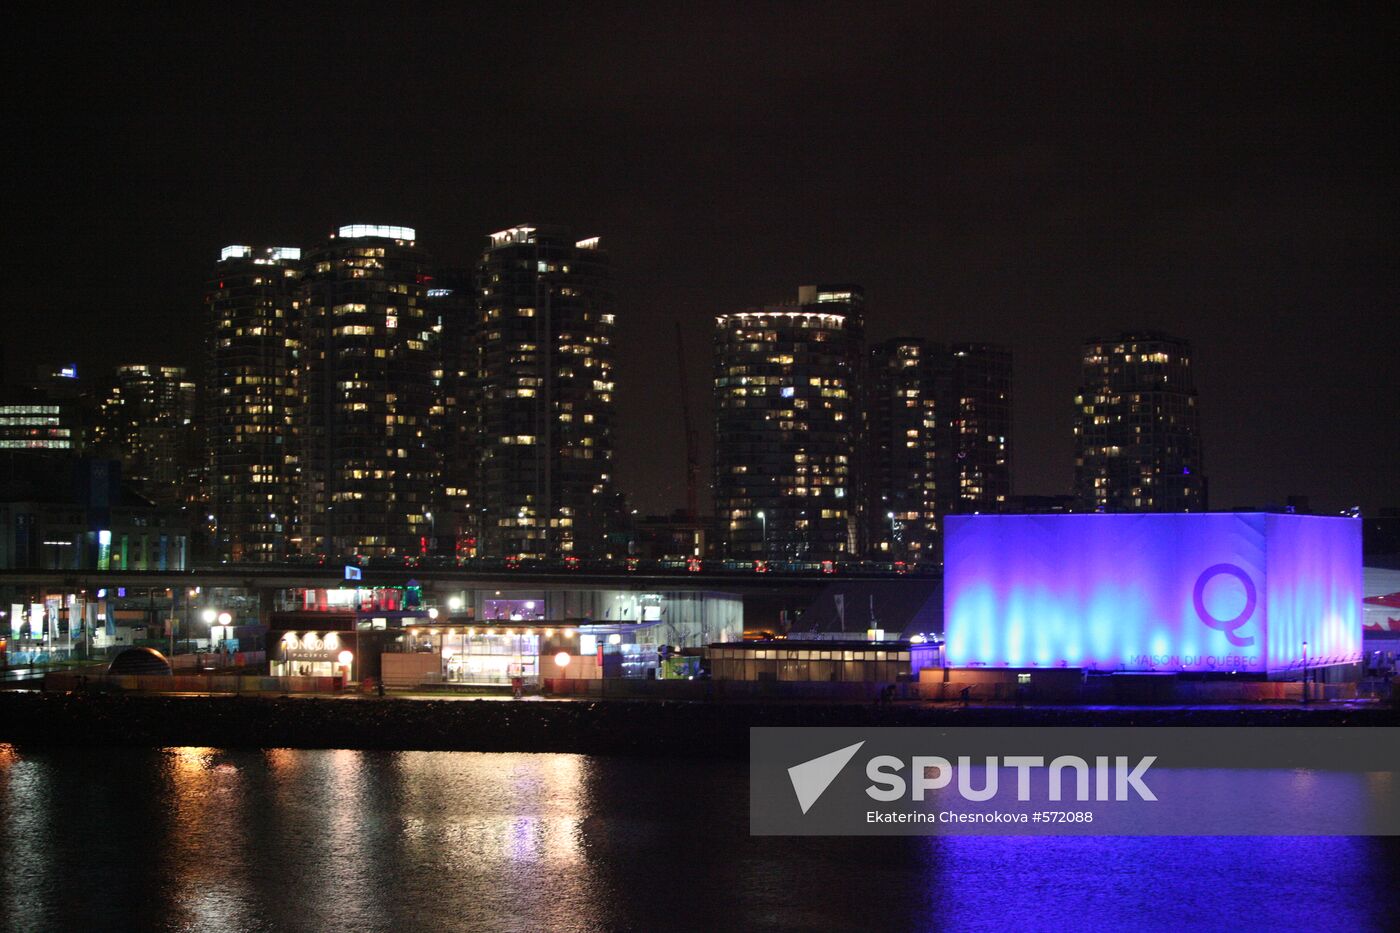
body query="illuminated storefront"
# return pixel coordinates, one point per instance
(490, 659)
(490, 656)
(328, 644)
(314, 654)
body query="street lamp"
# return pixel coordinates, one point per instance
(225, 624)
(764, 520)
(210, 618)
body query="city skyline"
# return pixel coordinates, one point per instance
(1219, 188)
(456, 433)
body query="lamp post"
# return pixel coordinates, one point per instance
(210, 617)
(893, 540)
(225, 624)
(763, 520)
(189, 617)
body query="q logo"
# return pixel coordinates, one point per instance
(1228, 626)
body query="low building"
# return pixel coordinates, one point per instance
(822, 661)
(66, 513)
(484, 638)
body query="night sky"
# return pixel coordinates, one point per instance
(1005, 175)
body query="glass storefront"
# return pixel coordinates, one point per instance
(490, 659)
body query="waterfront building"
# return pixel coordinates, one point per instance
(544, 395)
(369, 459)
(822, 661)
(787, 432)
(901, 466)
(1137, 426)
(489, 636)
(451, 304)
(252, 401)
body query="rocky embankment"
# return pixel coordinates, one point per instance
(612, 727)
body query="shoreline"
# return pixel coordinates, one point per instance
(602, 727)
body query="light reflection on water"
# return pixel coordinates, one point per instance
(204, 839)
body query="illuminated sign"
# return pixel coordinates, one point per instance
(352, 572)
(104, 550)
(353, 231)
(307, 654)
(439, 292)
(1166, 592)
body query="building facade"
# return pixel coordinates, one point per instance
(544, 394)
(35, 421)
(975, 476)
(369, 458)
(787, 426)
(147, 421)
(252, 401)
(451, 304)
(62, 512)
(1137, 427)
(901, 513)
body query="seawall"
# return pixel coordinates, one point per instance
(613, 727)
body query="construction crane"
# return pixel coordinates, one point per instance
(692, 457)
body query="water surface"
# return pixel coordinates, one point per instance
(203, 839)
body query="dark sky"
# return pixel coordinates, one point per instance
(1010, 175)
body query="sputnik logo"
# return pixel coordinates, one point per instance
(811, 778)
(1232, 625)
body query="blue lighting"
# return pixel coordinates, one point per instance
(1197, 592)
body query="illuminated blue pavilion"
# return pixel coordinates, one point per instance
(1227, 592)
